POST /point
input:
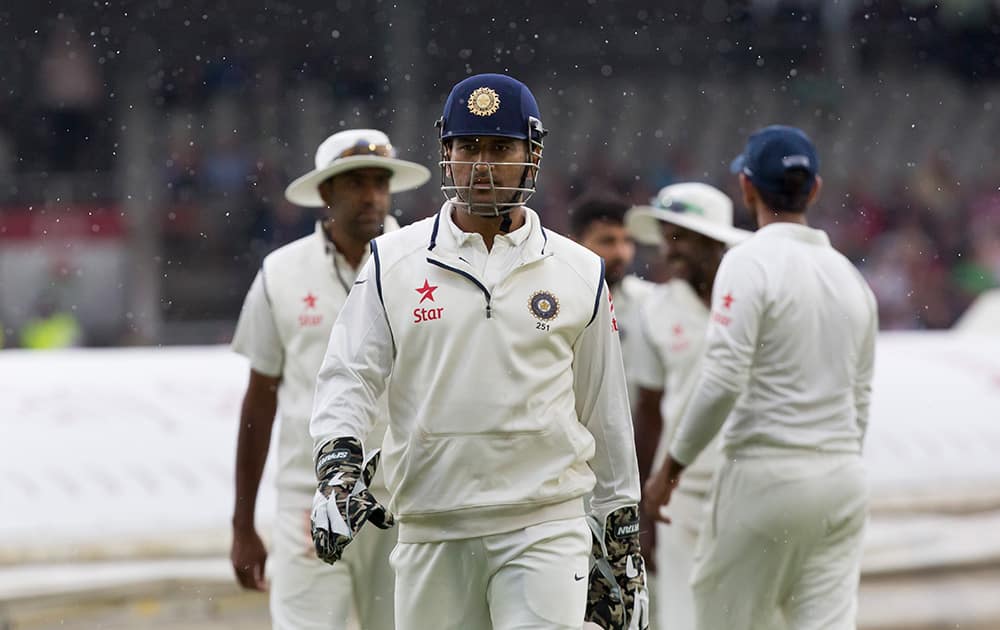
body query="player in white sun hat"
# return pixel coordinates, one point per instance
(692, 224)
(283, 330)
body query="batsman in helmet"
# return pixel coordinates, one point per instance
(508, 459)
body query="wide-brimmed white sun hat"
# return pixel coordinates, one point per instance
(698, 207)
(351, 149)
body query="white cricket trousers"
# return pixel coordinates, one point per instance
(782, 548)
(309, 594)
(530, 579)
(672, 599)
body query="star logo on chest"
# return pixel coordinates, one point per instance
(426, 292)
(310, 300)
(727, 300)
(678, 330)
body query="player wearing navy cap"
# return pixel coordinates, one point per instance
(495, 342)
(789, 355)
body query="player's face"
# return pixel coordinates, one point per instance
(689, 255)
(357, 201)
(492, 162)
(611, 242)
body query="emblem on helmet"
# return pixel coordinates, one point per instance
(484, 102)
(544, 305)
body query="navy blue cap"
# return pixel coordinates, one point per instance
(771, 152)
(491, 105)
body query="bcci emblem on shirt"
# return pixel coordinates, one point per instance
(544, 305)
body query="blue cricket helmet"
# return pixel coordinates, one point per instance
(491, 105)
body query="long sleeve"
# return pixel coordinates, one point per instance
(647, 368)
(357, 364)
(730, 344)
(866, 371)
(602, 406)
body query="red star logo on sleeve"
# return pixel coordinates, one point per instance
(310, 300)
(426, 292)
(678, 330)
(727, 300)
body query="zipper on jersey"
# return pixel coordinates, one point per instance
(471, 278)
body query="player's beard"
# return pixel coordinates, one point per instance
(614, 272)
(687, 269)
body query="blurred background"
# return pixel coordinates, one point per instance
(145, 146)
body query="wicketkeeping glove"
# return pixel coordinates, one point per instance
(342, 502)
(617, 598)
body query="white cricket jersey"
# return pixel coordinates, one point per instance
(283, 329)
(793, 328)
(672, 324)
(629, 295)
(507, 393)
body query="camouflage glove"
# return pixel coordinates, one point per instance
(342, 502)
(617, 597)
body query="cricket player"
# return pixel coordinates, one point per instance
(598, 223)
(495, 341)
(692, 225)
(789, 359)
(283, 330)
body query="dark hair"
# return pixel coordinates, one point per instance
(796, 186)
(593, 207)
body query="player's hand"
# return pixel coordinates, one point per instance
(658, 489)
(617, 598)
(342, 503)
(248, 556)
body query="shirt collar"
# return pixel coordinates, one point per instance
(448, 235)
(330, 248)
(796, 231)
(515, 238)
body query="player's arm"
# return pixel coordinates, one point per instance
(358, 361)
(617, 591)
(866, 370)
(650, 374)
(260, 403)
(602, 406)
(730, 344)
(356, 366)
(648, 429)
(256, 338)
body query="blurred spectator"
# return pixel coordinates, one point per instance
(278, 223)
(71, 91)
(226, 166)
(53, 324)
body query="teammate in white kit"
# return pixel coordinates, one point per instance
(789, 359)
(283, 330)
(495, 341)
(598, 223)
(692, 224)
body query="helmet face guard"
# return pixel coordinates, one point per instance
(505, 198)
(490, 105)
